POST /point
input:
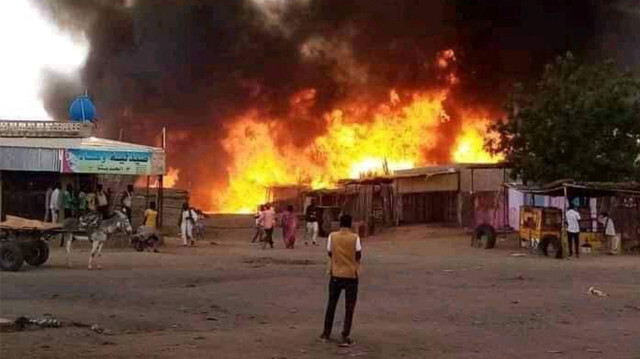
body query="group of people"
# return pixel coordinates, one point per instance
(75, 204)
(267, 219)
(71, 204)
(573, 231)
(344, 251)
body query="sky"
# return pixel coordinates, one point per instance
(29, 45)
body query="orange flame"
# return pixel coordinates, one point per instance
(169, 181)
(469, 147)
(359, 140)
(396, 137)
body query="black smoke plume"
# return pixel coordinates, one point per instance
(192, 65)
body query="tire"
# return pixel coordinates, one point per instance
(484, 237)
(11, 257)
(551, 246)
(38, 253)
(138, 245)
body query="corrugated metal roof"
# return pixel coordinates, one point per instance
(90, 143)
(453, 168)
(31, 159)
(585, 189)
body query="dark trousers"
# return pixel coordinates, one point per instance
(258, 235)
(574, 238)
(336, 285)
(268, 238)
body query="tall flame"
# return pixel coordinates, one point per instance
(169, 181)
(359, 140)
(395, 137)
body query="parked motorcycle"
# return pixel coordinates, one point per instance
(146, 238)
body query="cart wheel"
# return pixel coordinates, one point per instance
(10, 257)
(39, 253)
(551, 246)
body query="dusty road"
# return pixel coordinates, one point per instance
(424, 293)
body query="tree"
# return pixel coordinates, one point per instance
(580, 122)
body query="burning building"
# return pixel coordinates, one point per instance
(264, 93)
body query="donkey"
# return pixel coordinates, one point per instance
(98, 231)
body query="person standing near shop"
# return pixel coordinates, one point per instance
(47, 204)
(54, 203)
(609, 233)
(126, 201)
(82, 202)
(345, 253)
(92, 201)
(573, 230)
(68, 202)
(102, 201)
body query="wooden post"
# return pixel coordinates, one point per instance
(146, 197)
(160, 190)
(160, 198)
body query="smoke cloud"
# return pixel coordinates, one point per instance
(192, 65)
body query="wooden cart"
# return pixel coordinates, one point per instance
(23, 240)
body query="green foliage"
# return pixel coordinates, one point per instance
(580, 122)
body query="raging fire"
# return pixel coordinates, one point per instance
(169, 181)
(359, 139)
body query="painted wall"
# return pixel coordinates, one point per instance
(490, 179)
(440, 183)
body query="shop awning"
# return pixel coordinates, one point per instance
(581, 189)
(90, 155)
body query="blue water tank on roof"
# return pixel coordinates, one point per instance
(82, 110)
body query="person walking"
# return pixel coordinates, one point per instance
(609, 229)
(259, 217)
(68, 202)
(126, 201)
(311, 217)
(269, 224)
(573, 230)
(188, 219)
(289, 223)
(54, 203)
(102, 201)
(345, 254)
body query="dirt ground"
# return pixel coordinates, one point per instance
(424, 293)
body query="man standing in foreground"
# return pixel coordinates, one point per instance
(345, 252)
(573, 230)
